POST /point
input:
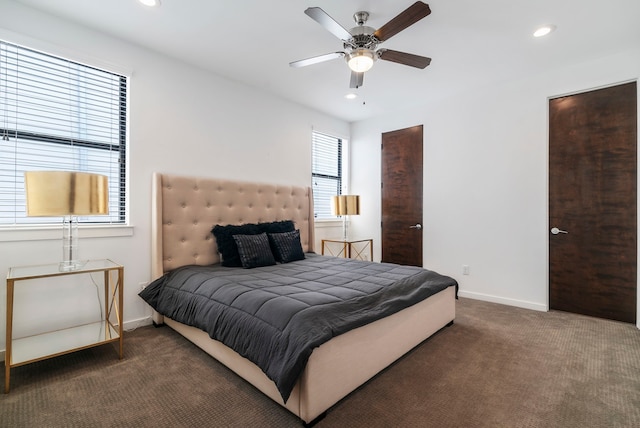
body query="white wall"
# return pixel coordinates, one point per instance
(485, 178)
(182, 120)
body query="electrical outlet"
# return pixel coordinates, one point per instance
(465, 269)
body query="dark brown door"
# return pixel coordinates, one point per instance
(402, 196)
(592, 197)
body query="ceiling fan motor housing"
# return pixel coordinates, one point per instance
(361, 44)
(362, 37)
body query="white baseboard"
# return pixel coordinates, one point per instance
(509, 302)
(140, 322)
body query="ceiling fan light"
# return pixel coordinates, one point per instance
(360, 60)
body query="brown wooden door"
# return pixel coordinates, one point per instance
(402, 196)
(592, 197)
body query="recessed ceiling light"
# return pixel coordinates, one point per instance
(150, 3)
(544, 30)
(351, 96)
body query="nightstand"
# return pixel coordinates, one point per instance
(39, 347)
(349, 248)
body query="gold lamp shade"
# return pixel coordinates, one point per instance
(346, 205)
(62, 193)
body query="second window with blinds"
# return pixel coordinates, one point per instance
(328, 172)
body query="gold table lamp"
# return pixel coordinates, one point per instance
(345, 205)
(68, 194)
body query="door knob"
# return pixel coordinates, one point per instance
(416, 226)
(555, 231)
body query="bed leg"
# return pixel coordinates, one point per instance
(450, 323)
(315, 421)
(157, 325)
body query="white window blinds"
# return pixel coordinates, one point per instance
(57, 114)
(326, 173)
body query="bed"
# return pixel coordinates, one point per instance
(184, 211)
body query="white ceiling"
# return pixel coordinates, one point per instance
(472, 43)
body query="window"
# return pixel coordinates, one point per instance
(327, 173)
(57, 114)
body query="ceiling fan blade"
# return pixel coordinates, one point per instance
(330, 24)
(411, 60)
(357, 79)
(316, 59)
(408, 17)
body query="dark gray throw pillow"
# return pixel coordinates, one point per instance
(227, 246)
(286, 246)
(254, 250)
(277, 226)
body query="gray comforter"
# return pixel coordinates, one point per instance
(276, 315)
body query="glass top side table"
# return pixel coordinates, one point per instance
(25, 350)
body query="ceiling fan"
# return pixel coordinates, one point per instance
(360, 43)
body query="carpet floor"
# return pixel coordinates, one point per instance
(497, 366)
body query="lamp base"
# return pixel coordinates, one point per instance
(71, 265)
(70, 256)
(345, 227)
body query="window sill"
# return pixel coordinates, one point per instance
(328, 223)
(42, 233)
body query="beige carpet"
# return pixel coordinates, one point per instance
(497, 366)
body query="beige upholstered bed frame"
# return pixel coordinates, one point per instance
(184, 211)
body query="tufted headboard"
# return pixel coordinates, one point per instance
(185, 209)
